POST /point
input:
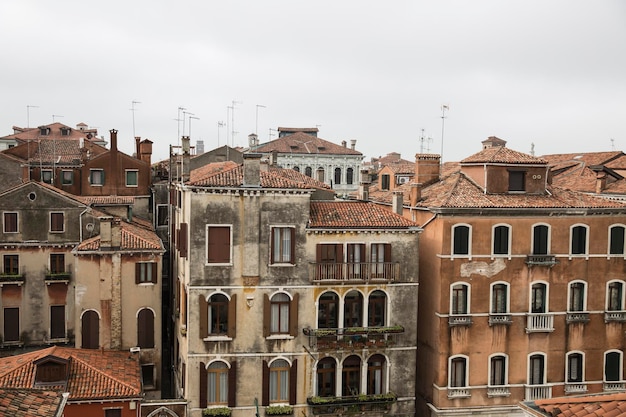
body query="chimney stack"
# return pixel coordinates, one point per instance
(364, 186)
(600, 182)
(415, 194)
(344, 143)
(352, 144)
(427, 168)
(137, 147)
(252, 170)
(105, 232)
(397, 202)
(145, 151)
(113, 133)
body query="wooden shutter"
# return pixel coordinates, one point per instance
(154, 268)
(182, 240)
(202, 383)
(265, 392)
(293, 315)
(218, 246)
(90, 330)
(137, 273)
(11, 324)
(272, 245)
(57, 322)
(232, 316)
(387, 249)
(267, 315)
(293, 382)
(204, 317)
(232, 385)
(292, 242)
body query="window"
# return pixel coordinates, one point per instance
(147, 376)
(538, 298)
(517, 180)
(218, 244)
(615, 296)
(351, 376)
(283, 245)
(575, 366)
(613, 366)
(384, 182)
(11, 264)
(501, 240)
(326, 369)
(536, 369)
(57, 322)
(218, 315)
(461, 240)
(145, 273)
(90, 330)
(11, 324)
(329, 258)
(337, 175)
(356, 260)
(67, 177)
(162, 215)
(458, 372)
(377, 307)
(113, 412)
(132, 178)
(217, 383)
(57, 263)
(320, 174)
(376, 366)
(57, 223)
(578, 240)
(497, 370)
(380, 258)
(96, 177)
(499, 298)
(10, 222)
(46, 176)
(349, 176)
(576, 296)
(145, 328)
(279, 313)
(353, 309)
(540, 239)
(328, 310)
(616, 243)
(459, 299)
(308, 171)
(296, 168)
(279, 381)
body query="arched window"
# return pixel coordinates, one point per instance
(578, 239)
(498, 370)
(461, 239)
(320, 174)
(615, 296)
(541, 234)
(326, 369)
(279, 313)
(458, 368)
(538, 301)
(377, 307)
(349, 176)
(575, 367)
(536, 369)
(296, 168)
(279, 381)
(217, 383)
(353, 309)
(616, 240)
(328, 310)
(459, 299)
(501, 240)
(218, 314)
(576, 296)
(90, 330)
(613, 366)
(308, 171)
(337, 175)
(376, 375)
(351, 376)
(145, 328)
(500, 298)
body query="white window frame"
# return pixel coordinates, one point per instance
(608, 249)
(468, 291)
(608, 296)
(467, 371)
(549, 238)
(546, 297)
(508, 297)
(582, 370)
(91, 172)
(292, 256)
(272, 313)
(506, 369)
(469, 241)
(223, 392)
(621, 365)
(509, 243)
(545, 368)
(281, 401)
(571, 237)
(128, 171)
(569, 296)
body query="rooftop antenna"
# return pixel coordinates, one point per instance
(191, 117)
(185, 113)
(232, 124)
(256, 128)
(271, 134)
(54, 116)
(444, 107)
(133, 110)
(178, 119)
(28, 107)
(612, 144)
(424, 141)
(220, 124)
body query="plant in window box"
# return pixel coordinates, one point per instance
(279, 410)
(217, 411)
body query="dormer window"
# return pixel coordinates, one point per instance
(65, 131)
(44, 131)
(51, 370)
(517, 181)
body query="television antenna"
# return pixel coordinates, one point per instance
(133, 110)
(256, 128)
(28, 107)
(444, 107)
(424, 142)
(54, 116)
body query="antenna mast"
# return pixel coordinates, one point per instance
(28, 107)
(425, 141)
(443, 119)
(132, 108)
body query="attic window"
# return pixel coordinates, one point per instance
(51, 371)
(44, 131)
(65, 131)
(293, 146)
(321, 148)
(517, 181)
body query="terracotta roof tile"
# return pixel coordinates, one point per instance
(93, 374)
(208, 170)
(588, 158)
(303, 143)
(299, 177)
(109, 200)
(603, 405)
(55, 132)
(501, 154)
(134, 237)
(234, 178)
(23, 402)
(353, 214)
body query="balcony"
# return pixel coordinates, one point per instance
(498, 391)
(500, 319)
(538, 392)
(351, 338)
(17, 279)
(541, 260)
(575, 388)
(324, 272)
(372, 404)
(57, 277)
(459, 393)
(577, 317)
(459, 320)
(539, 322)
(615, 316)
(614, 386)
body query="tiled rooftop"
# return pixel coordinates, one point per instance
(23, 402)
(302, 143)
(94, 374)
(134, 237)
(501, 154)
(233, 177)
(208, 170)
(105, 200)
(607, 405)
(30, 133)
(353, 214)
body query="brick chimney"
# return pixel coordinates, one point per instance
(364, 186)
(600, 182)
(427, 168)
(105, 232)
(397, 202)
(415, 194)
(252, 170)
(352, 144)
(137, 150)
(145, 150)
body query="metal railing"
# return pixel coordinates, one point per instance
(540, 322)
(541, 260)
(538, 392)
(355, 272)
(495, 319)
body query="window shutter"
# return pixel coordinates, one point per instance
(293, 382)
(154, 272)
(293, 315)
(137, 273)
(102, 177)
(272, 245)
(265, 392)
(266, 315)
(292, 241)
(232, 316)
(318, 253)
(203, 385)
(204, 317)
(182, 240)
(232, 385)
(387, 252)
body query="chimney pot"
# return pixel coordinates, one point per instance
(397, 202)
(252, 170)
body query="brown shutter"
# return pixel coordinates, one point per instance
(292, 241)
(203, 385)
(339, 261)
(265, 391)
(137, 272)
(232, 385)
(293, 315)
(204, 317)
(293, 382)
(182, 240)
(387, 252)
(154, 272)
(232, 316)
(267, 314)
(272, 248)
(318, 253)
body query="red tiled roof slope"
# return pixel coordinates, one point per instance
(501, 154)
(610, 405)
(234, 178)
(30, 133)
(22, 402)
(303, 143)
(134, 237)
(94, 374)
(588, 158)
(109, 199)
(299, 177)
(208, 170)
(353, 214)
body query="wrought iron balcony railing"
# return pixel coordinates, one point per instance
(355, 272)
(11, 278)
(541, 260)
(378, 337)
(500, 318)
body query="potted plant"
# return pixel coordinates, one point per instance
(216, 411)
(279, 410)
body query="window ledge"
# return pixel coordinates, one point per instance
(280, 337)
(218, 339)
(281, 264)
(146, 284)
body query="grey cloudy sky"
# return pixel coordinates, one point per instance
(552, 73)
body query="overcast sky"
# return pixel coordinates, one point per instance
(548, 73)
